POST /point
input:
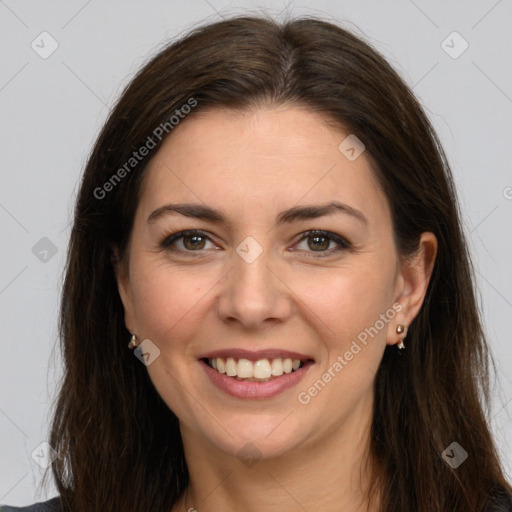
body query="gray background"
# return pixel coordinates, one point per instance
(52, 109)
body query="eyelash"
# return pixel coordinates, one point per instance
(343, 244)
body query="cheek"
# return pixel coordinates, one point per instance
(347, 317)
(347, 301)
(167, 300)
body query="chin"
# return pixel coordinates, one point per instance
(257, 437)
(249, 448)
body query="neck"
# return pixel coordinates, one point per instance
(332, 474)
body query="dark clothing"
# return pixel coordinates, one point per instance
(499, 503)
(52, 505)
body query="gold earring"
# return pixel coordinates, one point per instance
(133, 342)
(400, 328)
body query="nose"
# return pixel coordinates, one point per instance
(254, 294)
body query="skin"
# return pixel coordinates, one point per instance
(294, 296)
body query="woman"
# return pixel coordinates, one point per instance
(269, 222)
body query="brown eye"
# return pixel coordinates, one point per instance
(191, 241)
(317, 242)
(320, 242)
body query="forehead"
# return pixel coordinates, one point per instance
(263, 159)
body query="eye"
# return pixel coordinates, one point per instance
(190, 241)
(316, 241)
(320, 242)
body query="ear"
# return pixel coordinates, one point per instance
(411, 285)
(122, 274)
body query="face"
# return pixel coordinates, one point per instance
(293, 299)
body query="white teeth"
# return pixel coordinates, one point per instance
(277, 367)
(244, 369)
(230, 367)
(263, 369)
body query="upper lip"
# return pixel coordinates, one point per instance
(255, 355)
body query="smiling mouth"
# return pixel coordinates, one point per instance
(261, 370)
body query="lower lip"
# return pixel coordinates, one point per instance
(246, 389)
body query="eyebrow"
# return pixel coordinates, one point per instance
(203, 212)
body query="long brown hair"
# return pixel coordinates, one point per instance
(119, 444)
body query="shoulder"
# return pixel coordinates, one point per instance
(499, 501)
(52, 505)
